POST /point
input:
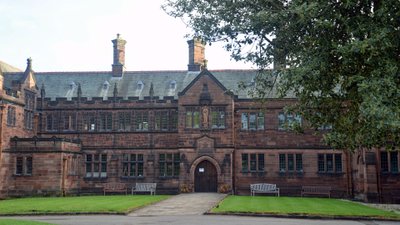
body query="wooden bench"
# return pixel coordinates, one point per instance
(145, 187)
(264, 188)
(115, 188)
(316, 190)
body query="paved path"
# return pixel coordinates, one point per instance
(182, 204)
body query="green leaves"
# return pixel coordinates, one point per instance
(341, 59)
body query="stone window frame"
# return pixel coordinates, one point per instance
(290, 162)
(253, 162)
(52, 121)
(389, 162)
(124, 120)
(329, 163)
(96, 165)
(192, 117)
(218, 117)
(23, 165)
(169, 165)
(161, 120)
(287, 121)
(29, 109)
(141, 120)
(105, 119)
(129, 161)
(68, 121)
(246, 121)
(88, 121)
(11, 116)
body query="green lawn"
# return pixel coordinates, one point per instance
(299, 206)
(87, 204)
(21, 222)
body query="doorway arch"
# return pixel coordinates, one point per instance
(205, 173)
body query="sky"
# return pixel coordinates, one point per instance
(75, 35)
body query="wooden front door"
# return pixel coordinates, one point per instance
(205, 177)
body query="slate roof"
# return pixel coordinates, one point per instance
(101, 84)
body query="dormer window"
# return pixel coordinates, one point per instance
(172, 85)
(106, 85)
(72, 85)
(140, 85)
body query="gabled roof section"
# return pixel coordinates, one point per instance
(203, 73)
(29, 78)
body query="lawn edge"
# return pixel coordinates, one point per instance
(124, 213)
(302, 216)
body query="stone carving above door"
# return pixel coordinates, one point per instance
(205, 144)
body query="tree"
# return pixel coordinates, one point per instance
(340, 58)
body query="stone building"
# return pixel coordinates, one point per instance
(188, 131)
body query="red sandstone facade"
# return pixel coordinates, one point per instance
(188, 131)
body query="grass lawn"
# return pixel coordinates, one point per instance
(21, 222)
(299, 206)
(88, 204)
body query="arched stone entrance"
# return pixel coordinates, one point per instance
(205, 172)
(205, 177)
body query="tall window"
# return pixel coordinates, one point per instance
(174, 119)
(52, 121)
(192, 117)
(218, 117)
(96, 165)
(132, 165)
(105, 121)
(11, 116)
(124, 121)
(169, 164)
(161, 120)
(290, 162)
(330, 163)
(390, 162)
(252, 121)
(89, 122)
(29, 109)
(24, 165)
(288, 121)
(69, 121)
(141, 120)
(253, 162)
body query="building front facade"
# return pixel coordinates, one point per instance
(187, 131)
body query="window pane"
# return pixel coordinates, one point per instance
(140, 169)
(252, 121)
(338, 163)
(299, 162)
(290, 162)
(88, 169)
(162, 169)
(329, 162)
(188, 119)
(132, 169)
(253, 162)
(281, 122)
(260, 121)
(125, 169)
(282, 162)
(245, 163)
(245, 121)
(384, 162)
(321, 163)
(19, 165)
(260, 162)
(169, 169)
(177, 157)
(29, 165)
(162, 157)
(394, 162)
(196, 119)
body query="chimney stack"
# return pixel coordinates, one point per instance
(196, 54)
(119, 56)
